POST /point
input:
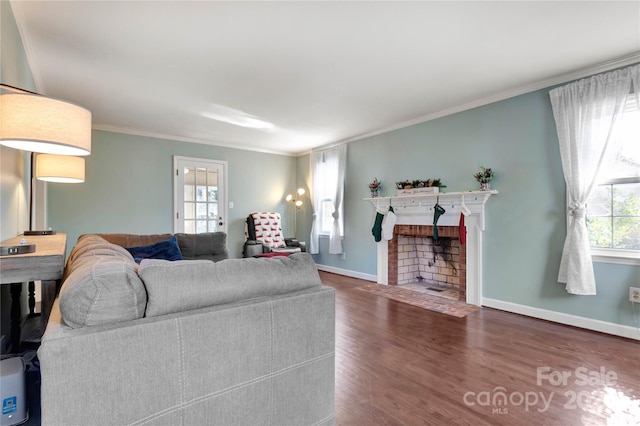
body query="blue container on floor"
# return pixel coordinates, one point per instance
(12, 392)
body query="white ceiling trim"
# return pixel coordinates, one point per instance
(574, 75)
(18, 17)
(190, 140)
(563, 78)
(19, 14)
(538, 85)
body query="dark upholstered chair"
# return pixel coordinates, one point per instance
(264, 234)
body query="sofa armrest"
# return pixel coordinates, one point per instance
(293, 242)
(253, 248)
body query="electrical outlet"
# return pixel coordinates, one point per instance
(634, 294)
(344, 255)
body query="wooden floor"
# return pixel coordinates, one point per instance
(401, 365)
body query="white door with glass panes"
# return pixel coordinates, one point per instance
(200, 195)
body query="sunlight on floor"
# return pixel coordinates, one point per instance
(616, 407)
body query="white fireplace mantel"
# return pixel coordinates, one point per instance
(417, 209)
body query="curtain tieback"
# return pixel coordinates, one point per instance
(335, 215)
(577, 212)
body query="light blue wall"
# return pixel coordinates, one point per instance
(525, 222)
(14, 173)
(129, 187)
(14, 164)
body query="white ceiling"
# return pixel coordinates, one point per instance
(319, 72)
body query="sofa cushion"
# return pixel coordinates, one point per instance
(102, 289)
(166, 250)
(133, 240)
(204, 246)
(191, 284)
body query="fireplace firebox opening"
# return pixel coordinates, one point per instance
(419, 262)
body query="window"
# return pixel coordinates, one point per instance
(326, 215)
(613, 208)
(324, 186)
(327, 169)
(199, 194)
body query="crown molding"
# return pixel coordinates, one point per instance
(520, 90)
(27, 45)
(221, 144)
(517, 91)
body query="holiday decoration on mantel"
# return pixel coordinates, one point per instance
(411, 187)
(374, 187)
(484, 176)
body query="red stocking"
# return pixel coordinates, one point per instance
(462, 230)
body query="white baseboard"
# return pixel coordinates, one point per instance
(348, 273)
(562, 318)
(544, 314)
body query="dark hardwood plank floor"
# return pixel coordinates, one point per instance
(397, 364)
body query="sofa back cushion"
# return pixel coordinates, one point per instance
(205, 246)
(101, 285)
(132, 240)
(185, 285)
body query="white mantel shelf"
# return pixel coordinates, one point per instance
(417, 209)
(427, 195)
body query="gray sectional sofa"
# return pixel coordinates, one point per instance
(187, 342)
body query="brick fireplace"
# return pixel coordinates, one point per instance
(415, 218)
(414, 256)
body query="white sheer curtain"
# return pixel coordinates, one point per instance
(635, 78)
(315, 161)
(327, 171)
(335, 238)
(585, 112)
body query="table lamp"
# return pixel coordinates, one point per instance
(53, 127)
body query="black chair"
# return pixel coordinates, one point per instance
(263, 231)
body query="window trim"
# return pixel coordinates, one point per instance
(322, 232)
(617, 256)
(613, 255)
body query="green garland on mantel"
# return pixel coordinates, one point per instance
(419, 183)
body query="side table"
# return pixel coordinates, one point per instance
(46, 264)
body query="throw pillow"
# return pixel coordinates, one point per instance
(165, 250)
